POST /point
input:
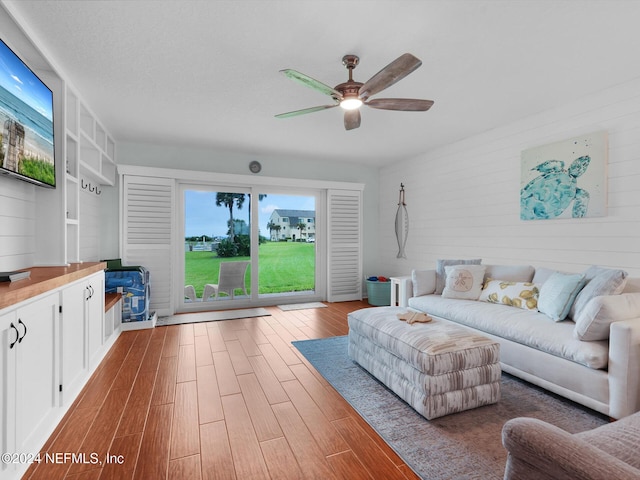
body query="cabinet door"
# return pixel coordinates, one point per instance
(73, 332)
(95, 316)
(36, 371)
(8, 340)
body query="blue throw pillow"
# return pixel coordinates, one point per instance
(558, 293)
(599, 281)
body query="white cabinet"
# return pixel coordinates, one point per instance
(29, 363)
(81, 338)
(73, 340)
(50, 344)
(9, 334)
(36, 362)
(95, 317)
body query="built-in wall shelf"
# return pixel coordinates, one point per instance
(95, 148)
(89, 155)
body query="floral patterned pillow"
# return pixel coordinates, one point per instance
(515, 294)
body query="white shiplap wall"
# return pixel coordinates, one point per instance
(463, 199)
(17, 224)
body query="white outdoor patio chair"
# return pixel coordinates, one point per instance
(232, 276)
(190, 293)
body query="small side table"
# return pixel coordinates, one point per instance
(400, 291)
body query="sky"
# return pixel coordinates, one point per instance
(17, 79)
(202, 217)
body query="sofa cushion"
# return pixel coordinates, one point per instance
(600, 281)
(510, 273)
(423, 281)
(542, 274)
(514, 294)
(522, 326)
(441, 275)
(463, 281)
(633, 285)
(594, 321)
(558, 293)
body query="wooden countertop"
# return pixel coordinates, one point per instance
(44, 279)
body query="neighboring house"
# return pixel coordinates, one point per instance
(288, 221)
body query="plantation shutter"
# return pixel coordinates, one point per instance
(344, 275)
(147, 234)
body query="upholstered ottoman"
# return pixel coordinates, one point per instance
(438, 367)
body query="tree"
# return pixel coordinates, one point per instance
(261, 196)
(229, 200)
(271, 227)
(240, 227)
(301, 226)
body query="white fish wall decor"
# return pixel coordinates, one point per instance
(402, 224)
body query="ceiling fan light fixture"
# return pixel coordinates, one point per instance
(351, 103)
(351, 95)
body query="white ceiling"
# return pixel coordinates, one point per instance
(205, 73)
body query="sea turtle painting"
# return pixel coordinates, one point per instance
(550, 193)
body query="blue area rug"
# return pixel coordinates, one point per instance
(465, 445)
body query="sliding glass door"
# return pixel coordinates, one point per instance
(246, 246)
(216, 232)
(287, 254)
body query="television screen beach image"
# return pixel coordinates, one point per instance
(26, 121)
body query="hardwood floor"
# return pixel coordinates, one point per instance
(220, 400)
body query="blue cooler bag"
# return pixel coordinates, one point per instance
(133, 284)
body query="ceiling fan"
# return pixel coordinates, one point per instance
(351, 94)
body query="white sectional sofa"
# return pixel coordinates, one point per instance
(591, 357)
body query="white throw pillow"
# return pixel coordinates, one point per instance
(424, 282)
(596, 318)
(558, 293)
(600, 281)
(515, 294)
(441, 275)
(463, 281)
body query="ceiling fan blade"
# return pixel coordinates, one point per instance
(307, 81)
(351, 119)
(404, 104)
(392, 73)
(304, 110)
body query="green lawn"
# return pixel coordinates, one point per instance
(284, 267)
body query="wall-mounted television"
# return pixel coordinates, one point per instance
(26, 122)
